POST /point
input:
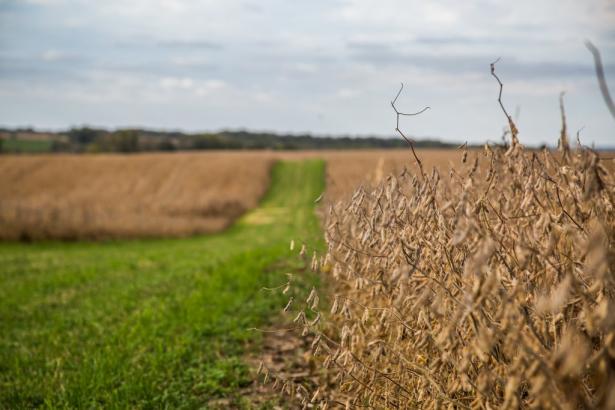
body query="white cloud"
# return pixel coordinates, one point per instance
(263, 97)
(306, 68)
(175, 82)
(347, 93)
(210, 86)
(53, 55)
(45, 2)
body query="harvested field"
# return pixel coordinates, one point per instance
(108, 196)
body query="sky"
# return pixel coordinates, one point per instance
(320, 66)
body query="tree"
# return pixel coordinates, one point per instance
(125, 141)
(83, 136)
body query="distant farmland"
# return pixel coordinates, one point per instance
(163, 195)
(97, 197)
(29, 146)
(347, 170)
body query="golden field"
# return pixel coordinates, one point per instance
(166, 195)
(487, 284)
(347, 170)
(109, 196)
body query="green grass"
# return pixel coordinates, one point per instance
(149, 324)
(26, 146)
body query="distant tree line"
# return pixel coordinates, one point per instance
(86, 139)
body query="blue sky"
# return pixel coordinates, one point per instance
(326, 67)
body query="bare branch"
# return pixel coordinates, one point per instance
(511, 124)
(601, 79)
(408, 140)
(403, 113)
(492, 65)
(397, 96)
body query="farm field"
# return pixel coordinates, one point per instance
(158, 323)
(72, 197)
(151, 323)
(115, 196)
(24, 145)
(346, 170)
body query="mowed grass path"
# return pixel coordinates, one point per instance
(149, 324)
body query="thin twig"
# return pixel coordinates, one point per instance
(561, 204)
(511, 124)
(408, 140)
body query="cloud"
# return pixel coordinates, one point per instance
(379, 54)
(174, 82)
(53, 55)
(452, 40)
(45, 2)
(196, 62)
(303, 68)
(263, 97)
(195, 44)
(209, 86)
(347, 93)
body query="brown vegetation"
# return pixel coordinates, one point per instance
(347, 170)
(153, 195)
(490, 286)
(109, 196)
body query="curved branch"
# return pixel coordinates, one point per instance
(403, 113)
(408, 140)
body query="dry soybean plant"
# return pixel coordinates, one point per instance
(489, 287)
